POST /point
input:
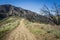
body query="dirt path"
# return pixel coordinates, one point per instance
(20, 33)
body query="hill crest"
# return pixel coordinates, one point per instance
(7, 10)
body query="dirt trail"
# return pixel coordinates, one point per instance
(19, 33)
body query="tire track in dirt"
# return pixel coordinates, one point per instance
(19, 33)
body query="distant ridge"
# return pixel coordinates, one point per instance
(10, 10)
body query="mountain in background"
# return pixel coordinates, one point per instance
(10, 10)
(20, 24)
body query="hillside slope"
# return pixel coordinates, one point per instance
(19, 24)
(26, 30)
(19, 33)
(8, 24)
(10, 10)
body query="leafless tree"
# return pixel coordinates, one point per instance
(53, 14)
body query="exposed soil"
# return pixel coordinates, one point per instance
(19, 33)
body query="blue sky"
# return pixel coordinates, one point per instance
(33, 5)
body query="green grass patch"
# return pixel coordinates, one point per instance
(33, 29)
(56, 33)
(37, 31)
(8, 25)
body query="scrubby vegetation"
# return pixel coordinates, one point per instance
(43, 31)
(37, 24)
(8, 24)
(53, 14)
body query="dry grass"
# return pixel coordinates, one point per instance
(8, 25)
(44, 31)
(19, 33)
(26, 29)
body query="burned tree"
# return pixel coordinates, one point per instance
(52, 14)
